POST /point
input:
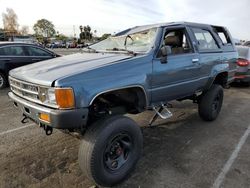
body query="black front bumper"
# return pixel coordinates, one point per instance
(60, 119)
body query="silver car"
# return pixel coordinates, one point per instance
(243, 65)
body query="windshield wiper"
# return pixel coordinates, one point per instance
(123, 50)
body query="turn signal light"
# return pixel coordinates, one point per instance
(65, 98)
(44, 117)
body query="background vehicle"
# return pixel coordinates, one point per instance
(142, 68)
(13, 55)
(243, 65)
(247, 44)
(71, 44)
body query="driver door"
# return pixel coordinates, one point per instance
(179, 75)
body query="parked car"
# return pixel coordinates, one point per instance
(71, 44)
(13, 55)
(247, 43)
(80, 46)
(142, 68)
(243, 65)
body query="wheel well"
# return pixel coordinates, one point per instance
(127, 100)
(4, 73)
(1, 71)
(221, 79)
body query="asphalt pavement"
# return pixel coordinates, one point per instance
(183, 151)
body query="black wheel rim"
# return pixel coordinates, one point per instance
(216, 103)
(117, 152)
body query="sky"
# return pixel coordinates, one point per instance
(110, 16)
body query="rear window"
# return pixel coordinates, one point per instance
(223, 35)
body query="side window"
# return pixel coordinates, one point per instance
(12, 51)
(205, 40)
(223, 35)
(178, 41)
(2, 51)
(33, 51)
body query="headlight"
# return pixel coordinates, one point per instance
(61, 97)
(51, 96)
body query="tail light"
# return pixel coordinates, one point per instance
(243, 62)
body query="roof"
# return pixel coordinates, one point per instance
(146, 27)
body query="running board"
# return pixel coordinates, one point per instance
(163, 112)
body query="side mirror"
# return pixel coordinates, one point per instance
(165, 51)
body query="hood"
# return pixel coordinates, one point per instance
(45, 72)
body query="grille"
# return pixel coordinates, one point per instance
(24, 89)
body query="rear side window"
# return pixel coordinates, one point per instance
(12, 51)
(223, 35)
(205, 39)
(33, 51)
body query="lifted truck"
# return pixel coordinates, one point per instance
(141, 68)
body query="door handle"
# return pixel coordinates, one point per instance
(195, 60)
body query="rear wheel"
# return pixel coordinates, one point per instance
(211, 102)
(110, 150)
(3, 81)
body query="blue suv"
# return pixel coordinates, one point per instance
(141, 68)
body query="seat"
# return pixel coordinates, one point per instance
(175, 43)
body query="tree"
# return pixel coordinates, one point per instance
(81, 28)
(24, 30)
(85, 33)
(2, 35)
(61, 37)
(10, 21)
(44, 28)
(104, 36)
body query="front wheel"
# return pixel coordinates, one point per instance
(110, 150)
(211, 102)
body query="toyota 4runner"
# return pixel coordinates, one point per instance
(141, 68)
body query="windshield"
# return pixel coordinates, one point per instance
(140, 42)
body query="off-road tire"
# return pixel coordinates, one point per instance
(3, 81)
(100, 136)
(211, 102)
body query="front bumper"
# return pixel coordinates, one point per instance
(60, 119)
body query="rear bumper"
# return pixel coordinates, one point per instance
(60, 119)
(242, 77)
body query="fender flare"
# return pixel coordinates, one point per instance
(120, 88)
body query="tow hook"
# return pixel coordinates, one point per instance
(48, 129)
(25, 119)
